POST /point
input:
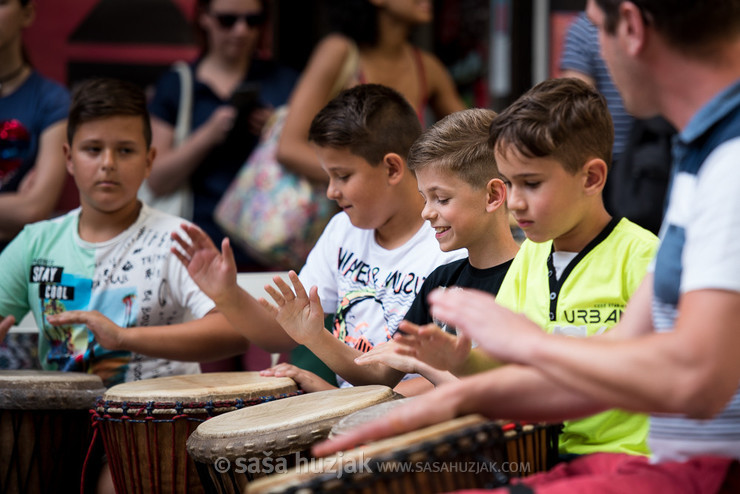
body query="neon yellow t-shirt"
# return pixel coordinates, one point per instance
(587, 299)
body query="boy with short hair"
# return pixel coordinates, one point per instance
(107, 296)
(370, 261)
(464, 199)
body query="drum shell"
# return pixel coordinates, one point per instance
(45, 429)
(145, 441)
(454, 455)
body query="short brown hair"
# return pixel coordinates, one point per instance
(689, 25)
(564, 119)
(370, 120)
(458, 144)
(98, 98)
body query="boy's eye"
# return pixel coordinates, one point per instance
(126, 150)
(442, 200)
(507, 184)
(532, 184)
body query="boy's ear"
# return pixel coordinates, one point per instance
(395, 166)
(68, 158)
(495, 194)
(150, 155)
(595, 171)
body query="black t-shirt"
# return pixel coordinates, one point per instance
(457, 273)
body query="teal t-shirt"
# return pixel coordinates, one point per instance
(132, 279)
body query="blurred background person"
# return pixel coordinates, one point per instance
(33, 112)
(234, 93)
(381, 32)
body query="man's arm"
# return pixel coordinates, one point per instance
(208, 338)
(630, 369)
(510, 391)
(215, 273)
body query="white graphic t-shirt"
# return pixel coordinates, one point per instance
(369, 288)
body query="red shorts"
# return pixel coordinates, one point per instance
(608, 473)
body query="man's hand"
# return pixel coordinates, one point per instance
(308, 381)
(107, 333)
(300, 314)
(213, 271)
(421, 411)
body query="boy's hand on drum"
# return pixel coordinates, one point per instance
(107, 333)
(433, 346)
(5, 324)
(213, 271)
(300, 314)
(308, 381)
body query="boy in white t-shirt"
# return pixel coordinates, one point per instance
(369, 263)
(105, 292)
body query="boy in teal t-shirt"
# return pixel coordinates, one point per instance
(105, 291)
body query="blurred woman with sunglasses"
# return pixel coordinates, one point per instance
(380, 29)
(234, 94)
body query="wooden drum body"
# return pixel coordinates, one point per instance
(465, 453)
(236, 447)
(45, 429)
(145, 424)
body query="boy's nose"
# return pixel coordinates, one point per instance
(332, 192)
(428, 213)
(108, 159)
(514, 200)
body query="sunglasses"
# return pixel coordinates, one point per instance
(227, 21)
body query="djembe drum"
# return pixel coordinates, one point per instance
(45, 429)
(145, 424)
(465, 453)
(236, 447)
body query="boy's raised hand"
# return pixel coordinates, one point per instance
(214, 272)
(108, 334)
(308, 381)
(433, 346)
(5, 324)
(300, 314)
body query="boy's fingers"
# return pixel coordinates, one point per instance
(284, 288)
(300, 290)
(268, 306)
(276, 296)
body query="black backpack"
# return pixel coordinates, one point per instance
(637, 183)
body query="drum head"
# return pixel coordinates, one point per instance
(310, 472)
(48, 390)
(210, 386)
(281, 427)
(362, 417)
